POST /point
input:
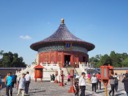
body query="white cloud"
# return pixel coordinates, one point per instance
(25, 37)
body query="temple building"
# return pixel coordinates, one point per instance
(62, 48)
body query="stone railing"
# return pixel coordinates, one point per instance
(84, 66)
(50, 66)
(48, 69)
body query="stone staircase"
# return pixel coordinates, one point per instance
(51, 69)
(79, 71)
(47, 71)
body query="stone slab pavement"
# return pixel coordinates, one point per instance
(52, 89)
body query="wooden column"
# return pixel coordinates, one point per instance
(56, 58)
(62, 64)
(50, 56)
(71, 60)
(77, 59)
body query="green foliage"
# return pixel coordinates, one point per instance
(114, 59)
(125, 62)
(10, 59)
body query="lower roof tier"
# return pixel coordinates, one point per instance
(87, 46)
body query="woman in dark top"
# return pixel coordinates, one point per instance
(76, 85)
(125, 81)
(116, 82)
(112, 83)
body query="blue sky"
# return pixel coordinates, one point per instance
(101, 22)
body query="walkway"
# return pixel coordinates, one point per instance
(52, 89)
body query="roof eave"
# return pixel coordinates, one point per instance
(38, 45)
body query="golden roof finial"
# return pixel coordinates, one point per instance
(62, 21)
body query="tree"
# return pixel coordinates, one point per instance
(1, 55)
(11, 60)
(95, 60)
(6, 60)
(114, 59)
(125, 62)
(104, 59)
(1, 52)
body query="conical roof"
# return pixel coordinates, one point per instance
(62, 34)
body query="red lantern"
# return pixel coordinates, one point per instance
(104, 72)
(38, 72)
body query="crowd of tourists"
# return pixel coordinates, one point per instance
(95, 81)
(114, 81)
(21, 84)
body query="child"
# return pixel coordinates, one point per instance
(76, 85)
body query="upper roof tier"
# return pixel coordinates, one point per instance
(62, 34)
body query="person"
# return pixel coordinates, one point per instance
(66, 63)
(89, 77)
(75, 65)
(9, 84)
(98, 81)
(125, 81)
(0, 82)
(63, 77)
(82, 84)
(14, 77)
(68, 77)
(74, 75)
(76, 86)
(53, 77)
(112, 83)
(21, 85)
(94, 82)
(5, 79)
(69, 64)
(28, 80)
(116, 82)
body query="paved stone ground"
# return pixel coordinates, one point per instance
(52, 89)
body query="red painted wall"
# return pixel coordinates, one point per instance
(58, 57)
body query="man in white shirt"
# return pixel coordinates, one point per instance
(82, 84)
(28, 80)
(94, 82)
(21, 85)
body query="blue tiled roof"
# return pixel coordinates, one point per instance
(62, 34)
